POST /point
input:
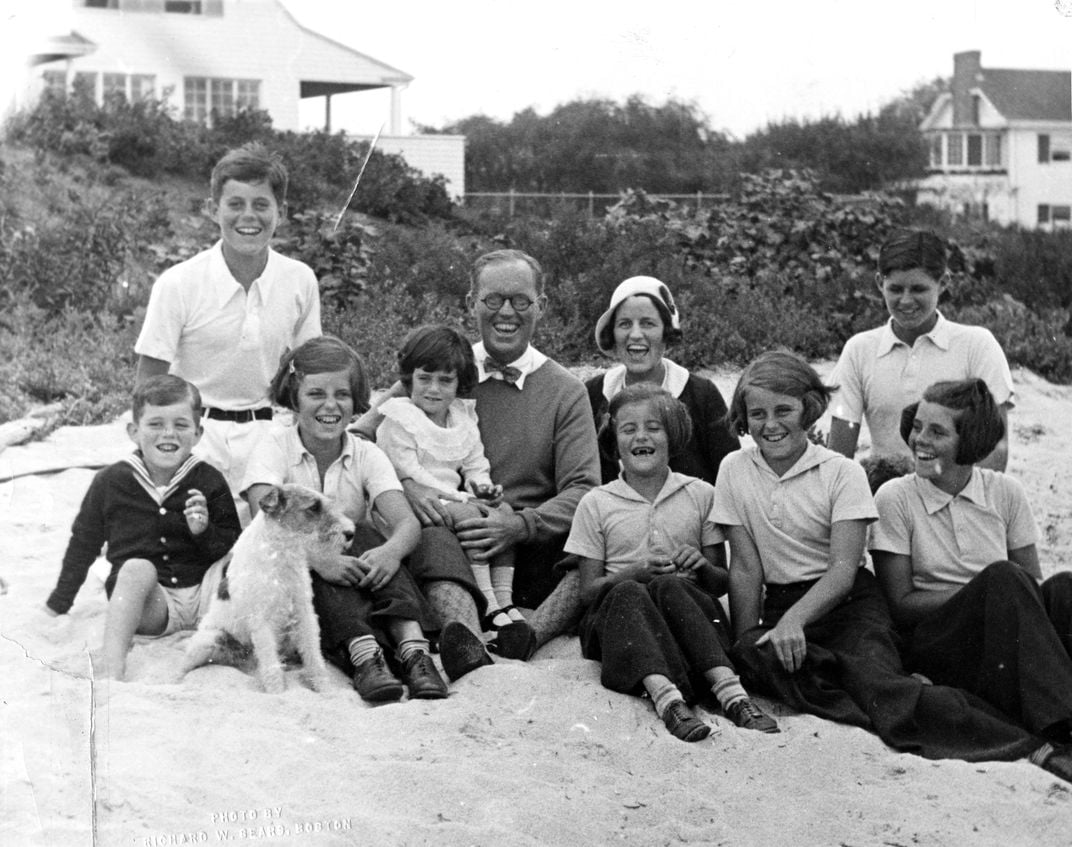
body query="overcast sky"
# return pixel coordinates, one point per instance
(744, 62)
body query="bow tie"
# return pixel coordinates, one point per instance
(507, 373)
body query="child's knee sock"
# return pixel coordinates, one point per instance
(482, 577)
(662, 692)
(726, 686)
(363, 648)
(502, 582)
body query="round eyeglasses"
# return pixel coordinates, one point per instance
(518, 302)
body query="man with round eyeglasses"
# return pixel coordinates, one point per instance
(540, 439)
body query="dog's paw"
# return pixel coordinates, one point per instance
(317, 681)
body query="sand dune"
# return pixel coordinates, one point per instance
(520, 754)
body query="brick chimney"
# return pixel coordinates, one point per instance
(967, 74)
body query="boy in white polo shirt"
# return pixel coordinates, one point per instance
(223, 318)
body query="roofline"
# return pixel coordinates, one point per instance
(403, 76)
(936, 106)
(983, 70)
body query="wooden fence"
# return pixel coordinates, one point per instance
(511, 203)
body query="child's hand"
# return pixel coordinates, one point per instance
(380, 567)
(48, 610)
(646, 571)
(490, 494)
(788, 641)
(196, 512)
(340, 570)
(687, 558)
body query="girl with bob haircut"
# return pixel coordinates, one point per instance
(783, 373)
(652, 567)
(323, 354)
(366, 600)
(812, 625)
(955, 552)
(979, 426)
(432, 437)
(672, 413)
(882, 370)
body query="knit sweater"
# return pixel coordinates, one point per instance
(541, 444)
(119, 510)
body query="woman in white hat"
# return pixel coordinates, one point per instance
(641, 320)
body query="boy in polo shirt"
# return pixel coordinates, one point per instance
(168, 520)
(223, 318)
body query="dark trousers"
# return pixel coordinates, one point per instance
(440, 557)
(1057, 598)
(853, 674)
(1004, 639)
(346, 612)
(669, 626)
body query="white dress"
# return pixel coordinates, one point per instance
(439, 457)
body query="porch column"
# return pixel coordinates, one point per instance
(327, 113)
(396, 109)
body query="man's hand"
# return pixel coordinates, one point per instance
(496, 532)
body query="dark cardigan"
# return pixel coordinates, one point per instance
(711, 439)
(118, 511)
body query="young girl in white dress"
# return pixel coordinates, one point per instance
(432, 438)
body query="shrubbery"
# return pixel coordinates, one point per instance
(146, 139)
(778, 263)
(80, 357)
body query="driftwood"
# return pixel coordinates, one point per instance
(22, 430)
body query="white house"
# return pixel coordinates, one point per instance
(1000, 145)
(215, 57)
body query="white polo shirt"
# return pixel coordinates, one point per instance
(617, 526)
(878, 375)
(353, 481)
(223, 339)
(789, 517)
(951, 538)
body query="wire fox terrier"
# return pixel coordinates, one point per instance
(265, 598)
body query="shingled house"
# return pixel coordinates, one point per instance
(1000, 145)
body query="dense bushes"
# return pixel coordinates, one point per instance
(82, 358)
(778, 263)
(146, 139)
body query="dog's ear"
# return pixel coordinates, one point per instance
(308, 501)
(273, 502)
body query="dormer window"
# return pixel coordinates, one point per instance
(975, 102)
(183, 7)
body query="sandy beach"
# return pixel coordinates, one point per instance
(520, 753)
